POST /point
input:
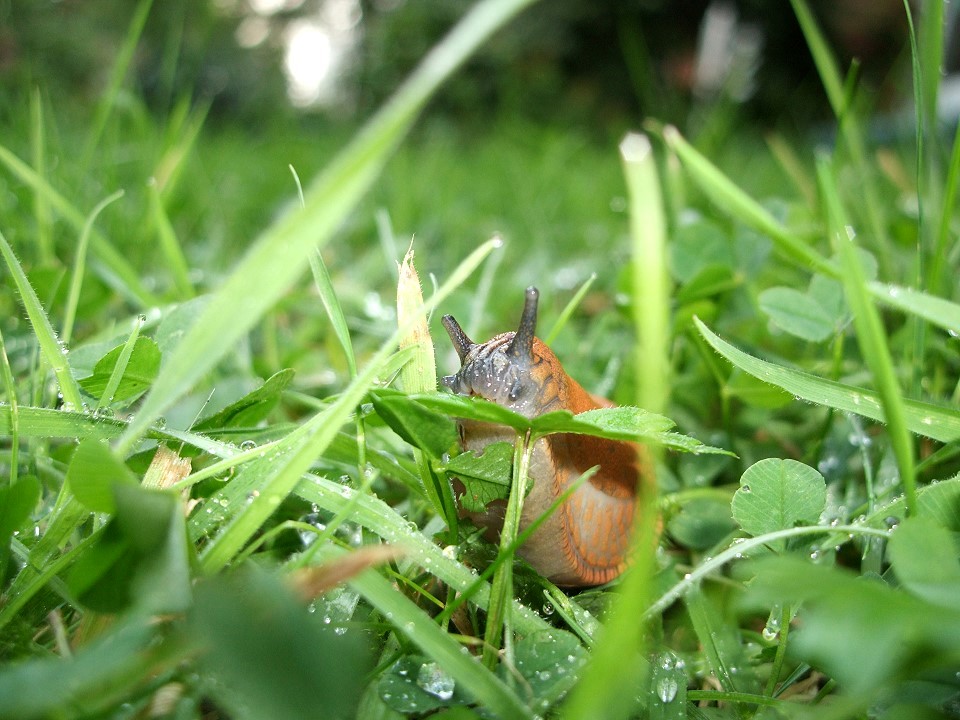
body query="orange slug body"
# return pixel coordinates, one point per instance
(585, 541)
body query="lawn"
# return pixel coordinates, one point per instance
(229, 477)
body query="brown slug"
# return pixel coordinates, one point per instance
(585, 541)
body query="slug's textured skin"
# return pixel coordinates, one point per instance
(586, 540)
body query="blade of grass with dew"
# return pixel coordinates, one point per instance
(79, 266)
(939, 423)
(568, 309)
(870, 334)
(731, 199)
(501, 590)
(276, 259)
(41, 208)
(935, 310)
(52, 351)
(10, 390)
(280, 469)
(169, 244)
(650, 294)
(117, 272)
(420, 629)
(113, 382)
(849, 123)
(108, 100)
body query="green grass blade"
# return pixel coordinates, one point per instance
(37, 422)
(117, 273)
(120, 368)
(924, 419)
(930, 55)
(276, 260)
(79, 266)
(939, 282)
(650, 295)
(331, 303)
(41, 208)
(281, 468)
(10, 390)
(568, 309)
(419, 629)
(170, 244)
(108, 99)
(870, 335)
(935, 310)
(620, 652)
(46, 336)
(734, 201)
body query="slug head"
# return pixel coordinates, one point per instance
(504, 369)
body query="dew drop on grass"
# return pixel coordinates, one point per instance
(434, 680)
(667, 689)
(247, 445)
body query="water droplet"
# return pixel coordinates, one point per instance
(434, 680)
(891, 521)
(667, 689)
(247, 445)
(745, 489)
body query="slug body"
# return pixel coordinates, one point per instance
(585, 541)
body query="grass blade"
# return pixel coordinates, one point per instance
(108, 99)
(52, 351)
(120, 368)
(41, 208)
(731, 199)
(650, 296)
(79, 265)
(870, 335)
(568, 309)
(931, 421)
(170, 244)
(276, 260)
(10, 390)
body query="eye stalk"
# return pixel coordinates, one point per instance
(499, 369)
(521, 347)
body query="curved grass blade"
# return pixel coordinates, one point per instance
(46, 336)
(931, 421)
(79, 264)
(935, 310)
(568, 309)
(276, 260)
(870, 334)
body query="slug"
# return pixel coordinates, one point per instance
(585, 541)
